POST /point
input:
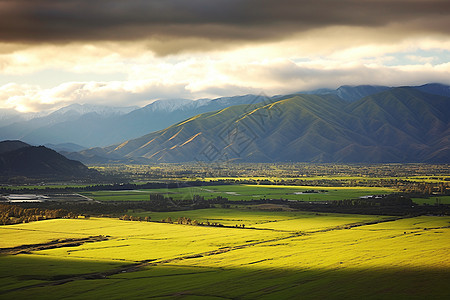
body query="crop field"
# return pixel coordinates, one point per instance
(278, 255)
(245, 192)
(290, 221)
(433, 179)
(432, 200)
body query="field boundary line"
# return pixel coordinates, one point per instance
(71, 242)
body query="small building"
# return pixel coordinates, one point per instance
(20, 198)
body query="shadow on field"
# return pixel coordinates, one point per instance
(31, 277)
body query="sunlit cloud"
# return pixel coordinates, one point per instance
(214, 79)
(136, 51)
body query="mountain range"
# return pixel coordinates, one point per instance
(354, 93)
(349, 124)
(82, 125)
(395, 125)
(89, 125)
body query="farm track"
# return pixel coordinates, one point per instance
(24, 249)
(146, 263)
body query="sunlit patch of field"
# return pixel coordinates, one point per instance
(315, 256)
(249, 192)
(421, 242)
(228, 217)
(429, 179)
(281, 220)
(136, 241)
(40, 232)
(245, 192)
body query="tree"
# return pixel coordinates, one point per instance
(167, 220)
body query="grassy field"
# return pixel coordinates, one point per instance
(245, 192)
(285, 255)
(432, 200)
(429, 179)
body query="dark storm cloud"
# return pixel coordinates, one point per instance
(56, 21)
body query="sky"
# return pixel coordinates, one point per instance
(124, 53)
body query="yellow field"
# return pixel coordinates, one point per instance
(403, 243)
(287, 257)
(293, 221)
(431, 179)
(313, 187)
(135, 241)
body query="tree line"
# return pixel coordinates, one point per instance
(13, 214)
(180, 220)
(112, 187)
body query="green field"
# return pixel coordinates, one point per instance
(244, 192)
(432, 200)
(357, 179)
(285, 255)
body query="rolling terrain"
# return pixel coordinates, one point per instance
(396, 125)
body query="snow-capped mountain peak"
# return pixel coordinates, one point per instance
(82, 109)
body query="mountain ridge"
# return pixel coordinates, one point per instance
(397, 125)
(97, 126)
(92, 129)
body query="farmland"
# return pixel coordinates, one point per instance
(279, 171)
(289, 221)
(432, 200)
(285, 254)
(250, 232)
(244, 192)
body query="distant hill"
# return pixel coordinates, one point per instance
(6, 146)
(65, 147)
(396, 125)
(39, 162)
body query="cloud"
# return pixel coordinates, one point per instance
(196, 79)
(172, 26)
(132, 52)
(24, 97)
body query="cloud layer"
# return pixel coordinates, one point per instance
(220, 21)
(54, 53)
(271, 77)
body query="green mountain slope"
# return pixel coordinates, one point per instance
(397, 125)
(414, 123)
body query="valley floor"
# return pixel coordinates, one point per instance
(275, 255)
